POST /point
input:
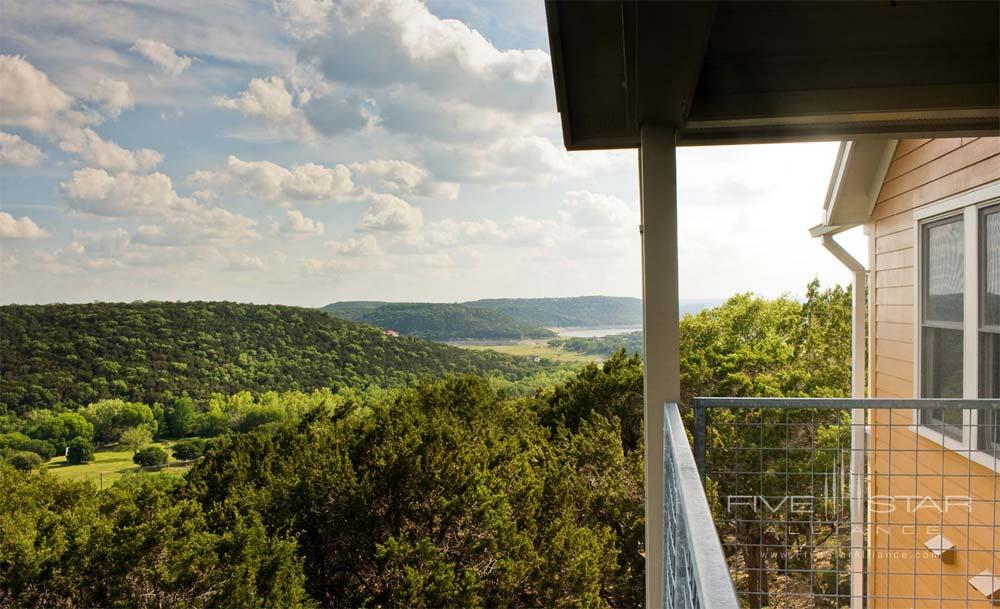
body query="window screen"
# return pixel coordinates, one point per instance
(942, 305)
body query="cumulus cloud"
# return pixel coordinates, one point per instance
(366, 245)
(101, 243)
(330, 266)
(520, 160)
(405, 178)
(270, 100)
(162, 55)
(276, 184)
(95, 151)
(391, 214)
(245, 262)
(297, 224)
(414, 46)
(29, 99)
(126, 195)
(589, 210)
(265, 98)
(113, 95)
(19, 228)
(16, 151)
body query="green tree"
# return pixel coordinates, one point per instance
(150, 457)
(80, 451)
(141, 544)
(135, 438)
(25, 461)
(112, 417)
(180, 417)
(61, 428)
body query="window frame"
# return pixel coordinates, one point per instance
(969, 205)
(924, 323)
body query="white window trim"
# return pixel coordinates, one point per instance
(967, 204)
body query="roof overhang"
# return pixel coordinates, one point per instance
(729, 72)
(858, 173)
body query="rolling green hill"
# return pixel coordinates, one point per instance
(575, 312)
(493, 319)
(72, 355)
(438, 321)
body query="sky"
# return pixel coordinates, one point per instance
(309, 151)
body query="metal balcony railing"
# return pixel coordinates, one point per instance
(696, 575)
(840, 503)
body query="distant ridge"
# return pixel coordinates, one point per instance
(493, 318)
(74, 354)
(570, 312)
(503, 318)
(438, 321)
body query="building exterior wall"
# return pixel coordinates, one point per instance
(900, 573)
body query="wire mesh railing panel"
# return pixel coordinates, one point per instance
(696, 575)
(854, 503)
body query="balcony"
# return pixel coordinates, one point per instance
(832, 503)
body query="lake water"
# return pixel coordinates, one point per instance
(594, 332)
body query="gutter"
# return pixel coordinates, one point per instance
(859, 442)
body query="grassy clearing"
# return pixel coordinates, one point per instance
(538, 348)
(109, 464)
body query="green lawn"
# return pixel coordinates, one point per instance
(108, 465)
(540, 348)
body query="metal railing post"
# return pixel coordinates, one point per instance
(700, 425)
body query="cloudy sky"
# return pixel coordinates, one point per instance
(306, 151)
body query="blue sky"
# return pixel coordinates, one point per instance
(306, 151)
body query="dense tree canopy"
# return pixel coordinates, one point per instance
(448, 493)
(69, 356)
(440, 321)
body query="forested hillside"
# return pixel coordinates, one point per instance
(448, 495)
(575, 312)
(438, 321)
(604, 346)
(73, 355)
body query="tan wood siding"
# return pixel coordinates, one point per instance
(921, 173)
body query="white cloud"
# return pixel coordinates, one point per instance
(102, 243)
(589, 210)
(126, 195)
(98, 152)
(113, 95)
(265, 98)
(162, 55)
(28, 98)
(19, 228)
(519, 160)
(16, 151)
(297, 224)
(330, 266)
(365, 245)
(392, 214)
(415, 46)
(276, 184)
(245, 262)
(405, 178)
(534, 232)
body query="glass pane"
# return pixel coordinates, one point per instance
(944, 266)
(989, 430)
(942, 378)
(989, 365)
(989, 387)
(991, 267)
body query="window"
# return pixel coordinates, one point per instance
(958, 327)
(942, 305)
(989, 325)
